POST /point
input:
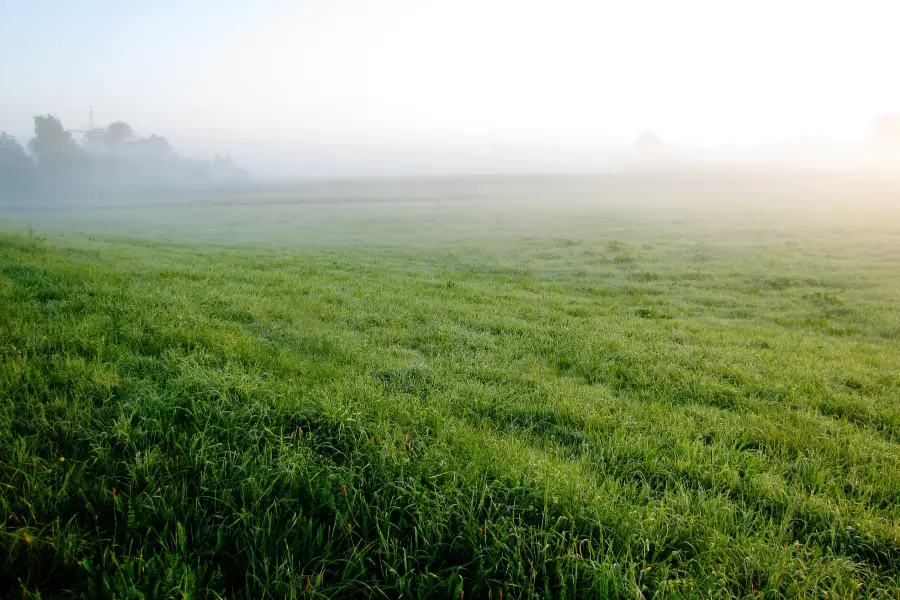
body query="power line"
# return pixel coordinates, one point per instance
(90, 126)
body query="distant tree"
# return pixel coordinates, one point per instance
(885, 133)
(117, 134)
(16, 166)
(152, 149)
(53, 147)
(14, 161)
(223, 168)
(94, 141)
(651, 150)
(110, 140)
(109, 157)
(648, 139)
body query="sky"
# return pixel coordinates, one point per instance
(330, 87)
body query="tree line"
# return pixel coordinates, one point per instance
(111, 156)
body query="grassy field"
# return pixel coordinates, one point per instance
(447, 401)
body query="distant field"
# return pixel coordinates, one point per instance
(453, 390)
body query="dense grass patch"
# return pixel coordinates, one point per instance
(586, 415)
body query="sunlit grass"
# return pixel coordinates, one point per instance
(605, 411)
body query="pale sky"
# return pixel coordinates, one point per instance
(357, 85)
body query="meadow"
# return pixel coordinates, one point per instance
(453, 390)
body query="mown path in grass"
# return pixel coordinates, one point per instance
(565, 418)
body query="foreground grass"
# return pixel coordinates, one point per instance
(564, 418)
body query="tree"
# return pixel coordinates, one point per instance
(885, 134)
(651, 150)
(649, 140)
(111, 140)
(223, 168)
(117, 134)
(53, 146)
(13, 158)
(94, 141)
(108, 157)
(152, 149)
(16, 166)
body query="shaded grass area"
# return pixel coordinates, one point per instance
(569, 417)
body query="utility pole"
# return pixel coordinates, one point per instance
(91, 127)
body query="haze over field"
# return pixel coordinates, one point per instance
(406, 87)
(431, 299)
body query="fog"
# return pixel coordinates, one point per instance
(286, 121)
(409, 87)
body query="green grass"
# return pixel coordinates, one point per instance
(604, 408)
